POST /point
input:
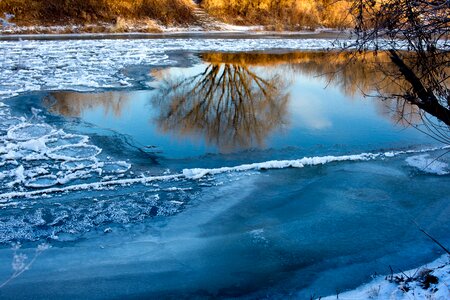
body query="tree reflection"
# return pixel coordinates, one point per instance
(229, 103)
(237, 100)
(370, 74)
(73, 104)
(234, 107)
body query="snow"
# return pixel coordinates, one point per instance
(385, 287)
(427, 164)
(300, 163)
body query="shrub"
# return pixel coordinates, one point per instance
(281, 14)
(86, 11)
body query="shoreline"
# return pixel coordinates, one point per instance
(417, 283)
(180, 33)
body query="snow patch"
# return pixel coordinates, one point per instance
(300, 163)
(384, 288)
(427, 164)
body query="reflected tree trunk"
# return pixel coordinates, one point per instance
(416, 34)
(228, 103)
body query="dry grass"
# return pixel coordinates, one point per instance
(50, 12)
(282, 14)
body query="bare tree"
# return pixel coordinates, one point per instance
(415, 34)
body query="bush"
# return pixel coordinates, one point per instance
(281, 14)
(86, 11)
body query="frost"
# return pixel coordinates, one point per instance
(18, 263)
(21, 263)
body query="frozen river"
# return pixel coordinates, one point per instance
(184, 168)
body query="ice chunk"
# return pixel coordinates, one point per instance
(36, 145)
(42, 181)
(67, 139)
(78, 164)
(74, 152)
(7, 123)
(116, 167)
(26, 131)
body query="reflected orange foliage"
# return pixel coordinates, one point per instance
(73, 104)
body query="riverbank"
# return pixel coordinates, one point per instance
(317, 34)
(149, 29)
(431, 281)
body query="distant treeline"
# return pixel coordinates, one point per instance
(274, 14)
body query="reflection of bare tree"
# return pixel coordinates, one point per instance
(239, 98)
(365, 74)
(422, 27)
(370, 74)
(231, 105)
(73, 104)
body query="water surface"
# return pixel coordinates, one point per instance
(118, 232)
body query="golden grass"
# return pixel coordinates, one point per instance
(282, 14)
(47, 12)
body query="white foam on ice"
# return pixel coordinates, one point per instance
(198, 173)
(88, 186)
(427, 164)
(300, 163)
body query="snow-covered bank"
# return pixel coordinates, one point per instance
(147, 26)
(431, 281)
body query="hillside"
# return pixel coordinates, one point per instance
(152, 15)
